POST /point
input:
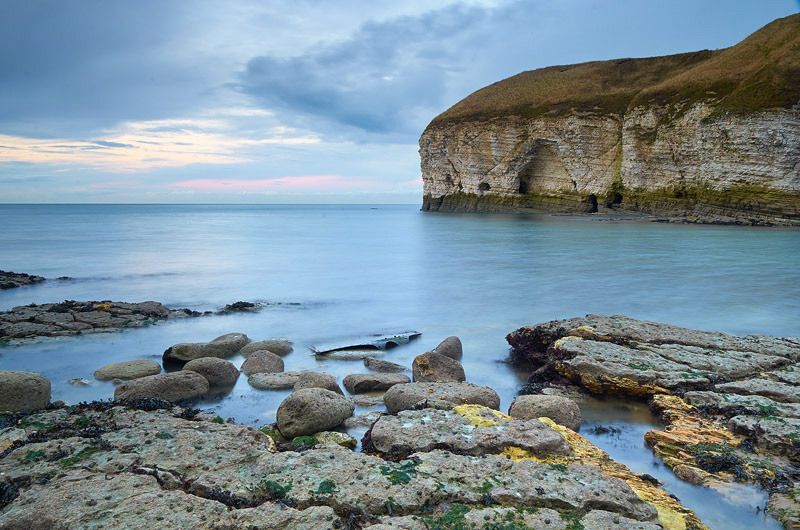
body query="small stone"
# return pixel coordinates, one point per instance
(311, 410)
(23, 391)
(450, 347)
(361, 383)
(379, 365)
(432, 367)
(274, 381)
(128, 370)
(77, 381)
(561, 410)
(218, 372)
(317, 380)
(280, 347)
(262, 361)
(405, 396)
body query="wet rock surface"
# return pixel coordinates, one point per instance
(10, 280)
(450, 347)
(172, 387)
(317, 380)
(280, 347)
(147, 464)
(262, 361)
(223, 346)
(128, 370)
(274, 381)
(561, 410)
(380, 365)
(218, 372)
(731, 404)
(73, 318)
(361, 383)
(406, 396)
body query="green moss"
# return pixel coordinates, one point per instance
(401, 474)
(326, 487)
(83, 454)
(304, 442)
(218, 420)
(573, 521)
(33, 456)
(271, 490)
(452, 519)
(638, 366)
(164, 436)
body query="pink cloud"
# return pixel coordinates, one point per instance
(307, 182)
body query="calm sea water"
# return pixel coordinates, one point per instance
(357, 270)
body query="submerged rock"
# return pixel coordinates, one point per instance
(218, 372)
(10, 280)
(361, 383)
(561, 410)
(172, 387)
(379, 365)
(405, 396)
(311, 410)
(262, 361)
(23, 391)
(280, 347)
(432, 367)
(223, 346)
(128, 370)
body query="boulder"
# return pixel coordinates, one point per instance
(262, 361)
(317, 380)
(468, 429)
(222, 347)
(432, 367)
(274, 381)
(450, 347)
(128, 370)
(173, 387)
(561, 410)
(405, 396)
(311, 410)
(23, 391)
(360, 383)
(218, 372)
(277, 346)
(379, 365)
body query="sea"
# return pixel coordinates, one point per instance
(340, 273)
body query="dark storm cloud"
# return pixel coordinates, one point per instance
(68, 67)
(380, 80)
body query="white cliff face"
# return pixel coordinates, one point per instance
(666, 160)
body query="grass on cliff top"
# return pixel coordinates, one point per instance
(762, 71)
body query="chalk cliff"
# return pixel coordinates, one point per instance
(709, 134)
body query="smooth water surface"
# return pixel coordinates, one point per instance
(357, 270)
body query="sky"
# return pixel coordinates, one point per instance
(287, 101)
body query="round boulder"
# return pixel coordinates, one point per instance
(561, 410)
(277, 346)
(218, 372)
(173, 387)
(311, 410)
(23, 391)
(360, 383)
(406, 396)
(450, 347)
(128, 370)
(276, 381)
(317, 380)
(262, 361)
(223, 346)
(432, 367)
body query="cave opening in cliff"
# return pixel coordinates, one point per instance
(523, 187)
(592, 203)
(614, 199)
(483, 186)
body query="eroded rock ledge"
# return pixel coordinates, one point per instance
(731, 404)
(145, 463)
(10, 280)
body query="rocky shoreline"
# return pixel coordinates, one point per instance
(442, 456)
(730, 405)
(11, 280)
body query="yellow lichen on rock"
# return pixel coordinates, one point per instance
(480, 416)
(106, 306)
(671, 513)
(603, 384)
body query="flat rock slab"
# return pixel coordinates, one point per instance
(156, 469)
(406, 396)
(775, 390)
(380, 365)
(470, 429)
(361, 383)
(128, 370)
(72, 318)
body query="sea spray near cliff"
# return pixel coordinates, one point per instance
(711, 134)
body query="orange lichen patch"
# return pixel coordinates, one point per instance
(671, 513)
(589, 333)
(602, 384)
